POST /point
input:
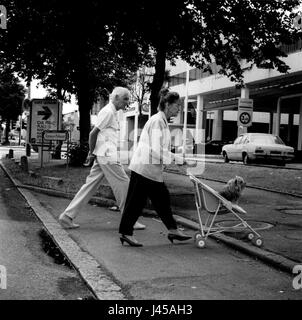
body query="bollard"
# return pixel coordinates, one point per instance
(10, 153)
(24, 163)
(33, 174)
(28, 151)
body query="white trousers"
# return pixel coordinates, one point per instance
(116, 177)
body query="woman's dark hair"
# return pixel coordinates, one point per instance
(166, 96)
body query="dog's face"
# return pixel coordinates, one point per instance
(232, 190)
(237, 184)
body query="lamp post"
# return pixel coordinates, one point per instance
(20, 124)
(210, 125)
(184, 134)
(28, 146)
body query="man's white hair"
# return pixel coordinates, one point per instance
(119, 91)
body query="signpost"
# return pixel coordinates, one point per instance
(44, 115)
(245, 112)
(54, 135)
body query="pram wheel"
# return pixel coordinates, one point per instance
(257, 242)
(197, 236)
(250, 236)
(200, 243)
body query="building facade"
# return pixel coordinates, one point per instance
(212, 100)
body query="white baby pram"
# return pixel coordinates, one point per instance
(214, 204)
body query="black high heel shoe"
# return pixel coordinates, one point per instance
(178, 235)
(131, 243)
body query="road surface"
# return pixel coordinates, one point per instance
(30, 273)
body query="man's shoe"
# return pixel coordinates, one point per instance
(139, 226)
(114, 208)
(67, 223)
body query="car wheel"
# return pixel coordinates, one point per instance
(245, 158)
(225, 157)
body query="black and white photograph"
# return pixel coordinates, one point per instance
(150, 154)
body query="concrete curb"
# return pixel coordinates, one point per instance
(104, 202)
(241, 164)
(249, 186)
(89, 269)
(270, 258)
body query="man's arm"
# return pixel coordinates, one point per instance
(92, 139)
(102, 122)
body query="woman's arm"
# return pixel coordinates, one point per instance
(160, 142)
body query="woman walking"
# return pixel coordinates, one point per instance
(146, 181)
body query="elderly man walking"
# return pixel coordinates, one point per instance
(103, 140)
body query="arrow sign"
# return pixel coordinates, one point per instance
(46, 113)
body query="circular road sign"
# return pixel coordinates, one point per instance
(245, 118)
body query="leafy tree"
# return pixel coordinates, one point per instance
(205, 31)
(141, 85)
(78, 49)
(11, 98)
(72, 49)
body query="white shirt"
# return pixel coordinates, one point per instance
(107, 139)
(153, 148)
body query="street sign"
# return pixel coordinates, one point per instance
(45, 115)
(245, 112)
(55, 135)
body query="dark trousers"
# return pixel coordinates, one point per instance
(141, 188)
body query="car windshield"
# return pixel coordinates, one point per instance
(266, 139)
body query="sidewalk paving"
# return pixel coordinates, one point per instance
(277, 217)
(148, 271)
(158, 270)
(282, 242)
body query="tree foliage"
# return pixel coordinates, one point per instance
(72, 49)
(82, 48)
(11, 97)
(202, 32)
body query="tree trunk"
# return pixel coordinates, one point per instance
(7, 130)
(57, 151)
(85, 104)
(158, 79)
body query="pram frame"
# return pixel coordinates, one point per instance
(207, 228)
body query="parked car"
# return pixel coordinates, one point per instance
(250, 147)
(210, 147)
(215, 146)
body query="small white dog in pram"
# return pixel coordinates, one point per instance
(210, 203)
(233, 189)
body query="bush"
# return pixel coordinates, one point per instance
(77, 154)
